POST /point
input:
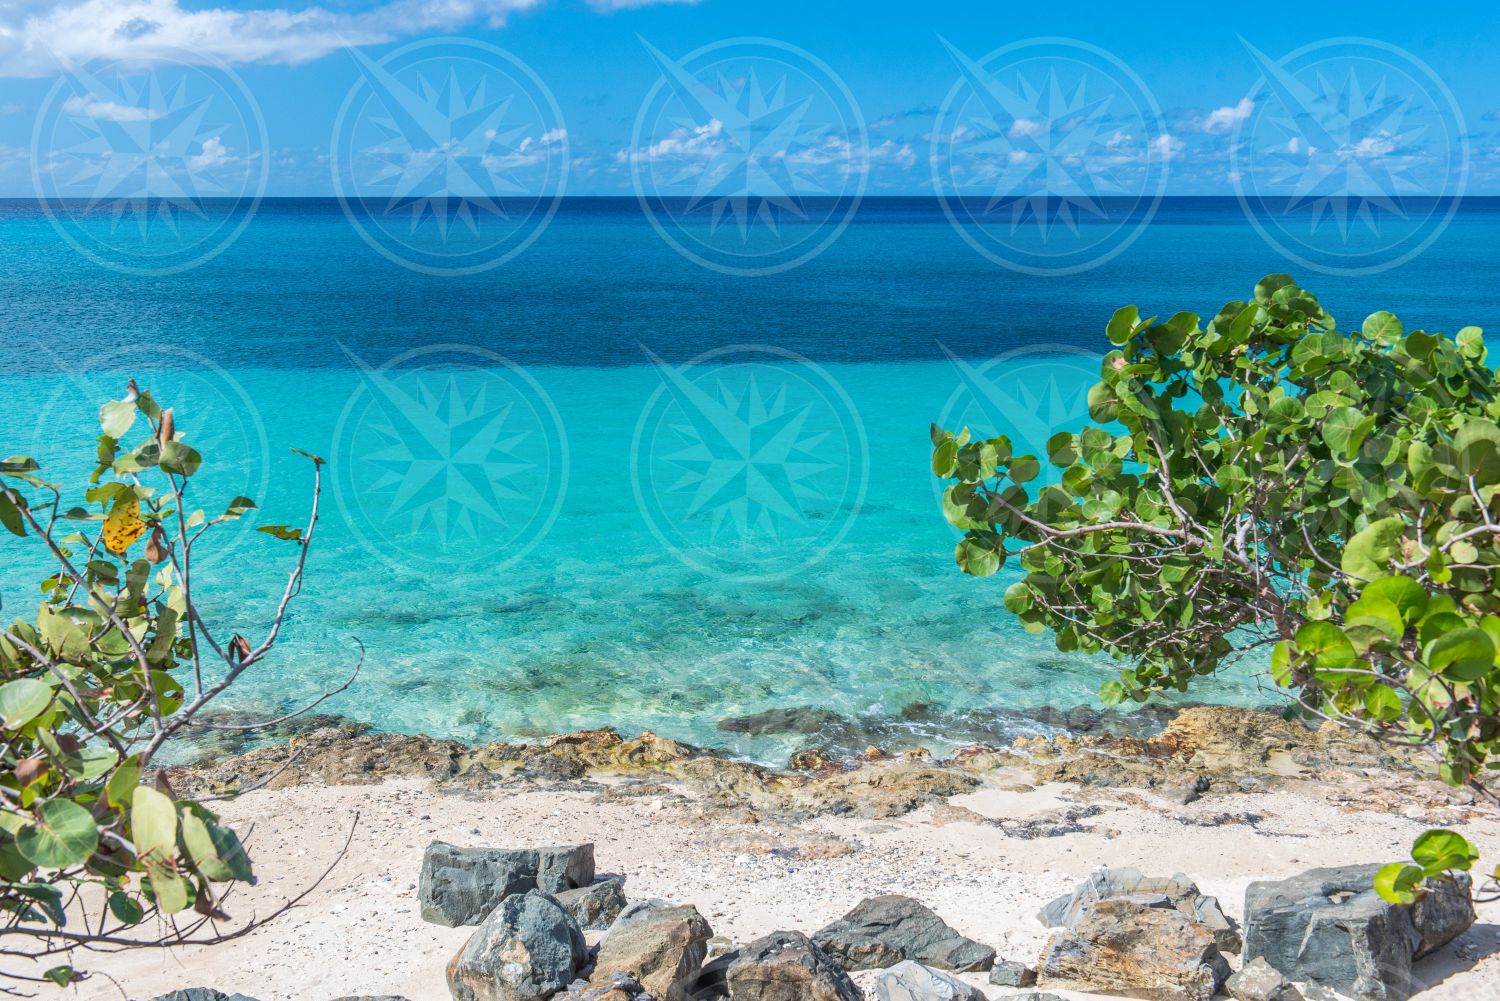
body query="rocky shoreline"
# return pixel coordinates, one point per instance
(1197, 749)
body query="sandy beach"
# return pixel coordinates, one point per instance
(360, 932)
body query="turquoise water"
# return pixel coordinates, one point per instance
(603, 486)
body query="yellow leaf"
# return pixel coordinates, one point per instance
(123, 526)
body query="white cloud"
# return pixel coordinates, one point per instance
(214, 154)
(614, 5)
(37, 36)
(107, 111)
(1167, 146)
(1224, 119)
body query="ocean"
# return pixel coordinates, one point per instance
(605, 485)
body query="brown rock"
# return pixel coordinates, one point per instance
(661, 946)
(1121, 946)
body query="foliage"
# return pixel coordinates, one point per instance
(1268, 481)
(116, 661)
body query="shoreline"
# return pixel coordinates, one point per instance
(984, 838)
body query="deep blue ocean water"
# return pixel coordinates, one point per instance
(602, 484)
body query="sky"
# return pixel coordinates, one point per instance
(875, 98)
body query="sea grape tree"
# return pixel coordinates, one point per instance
(1268, 481)
(112, 661)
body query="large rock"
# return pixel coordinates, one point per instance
(201, 994)
(1011, 973)
(910, 981)
(1151, 891)
(781, 966)
(1330, 927)
(1125, 947)
(461, 886)
(528, 949)
(1258, 981)
(883, 931)
(596, 906)
(662, 945)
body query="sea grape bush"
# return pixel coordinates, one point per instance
(114, 662)
(1268, 481)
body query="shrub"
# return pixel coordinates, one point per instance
(116, 661)
(1270, 482)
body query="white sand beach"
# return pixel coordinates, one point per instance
(360, 933)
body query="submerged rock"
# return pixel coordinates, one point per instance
(883, 931)
(528, 949)
(1329, 927)
(662, 945)
(461, 886)
(1176, 891)
(909, 981)
(1124, 946)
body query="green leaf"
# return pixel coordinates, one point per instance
(64, 834)
(62, 976)
(1327, 645)
(116, 417)
(10, 516)
(180, 459)
(170, 891)
(944, 459)
(1122, 324)
(1438, 851)
(1383, 328)
(1018, 598)
(1112, 693)
(1396, 882)
(125, 908)
(22, 701)
(1024, 468)
(1408, 597)
(281, 532)
(1462, 654)
(1382, 703)
(153, 824)
(978, 558)
(1367, 553)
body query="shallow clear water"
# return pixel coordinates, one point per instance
(603, 486)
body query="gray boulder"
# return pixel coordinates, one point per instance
(528, 949)
(910, 981)
(1177, 891)
(461, 886)
(662, 945)
(883, 931)
(201, 994)
(1011, 973)
(596, 906)
(1258, 981)
(1126, 947)
(781, 966)
(1329, 927)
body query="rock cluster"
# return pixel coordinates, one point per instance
(1119, 932)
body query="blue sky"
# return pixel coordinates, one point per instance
(296, 62)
